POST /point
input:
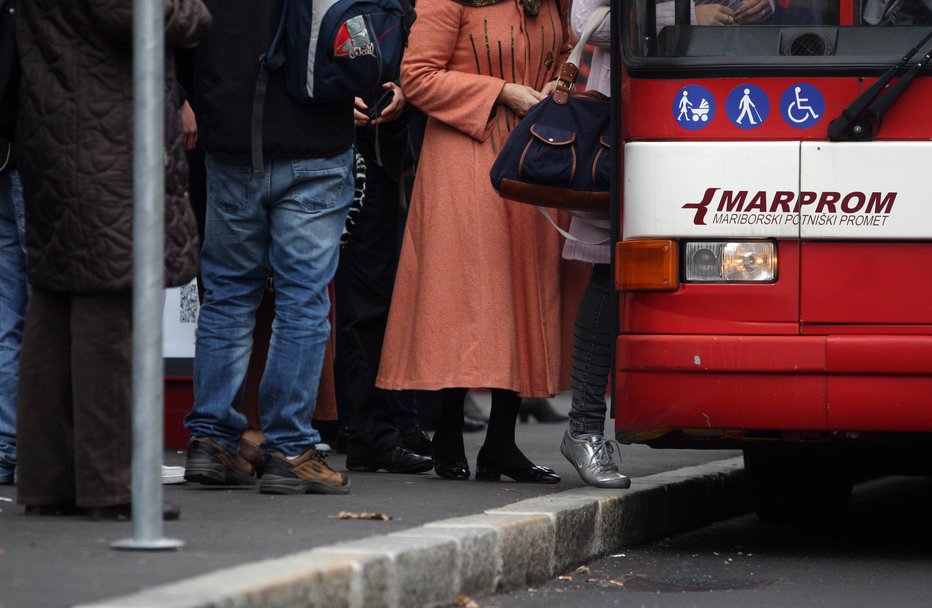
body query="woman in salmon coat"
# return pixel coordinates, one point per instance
(482, 298)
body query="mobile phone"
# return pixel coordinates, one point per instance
(375, 110)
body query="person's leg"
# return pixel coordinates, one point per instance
(363, 283)
(500, 454)
(13, 294)
(449, 453)
(592, 355)
(234, 269)
(307, 209)
(45, 424)
(583, 444)
(102, 381)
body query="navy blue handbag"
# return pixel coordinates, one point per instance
(559, 155)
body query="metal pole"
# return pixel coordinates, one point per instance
(148, 275)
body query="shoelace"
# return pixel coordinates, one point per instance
(604, 453)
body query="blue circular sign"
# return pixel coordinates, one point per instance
(747, 106)
(802, 105)
(693, 107)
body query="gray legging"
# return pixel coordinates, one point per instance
(592, 354)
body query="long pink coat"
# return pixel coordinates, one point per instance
(482, 297)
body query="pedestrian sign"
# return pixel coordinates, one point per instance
(802, 105)
(747, 106)
(693, 107)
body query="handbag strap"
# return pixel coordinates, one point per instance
(567, 78)
(543, 211)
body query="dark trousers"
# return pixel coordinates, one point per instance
(75, 400)
(592, 354)
(363, 287)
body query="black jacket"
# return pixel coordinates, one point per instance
(225, 68)
(9, 80)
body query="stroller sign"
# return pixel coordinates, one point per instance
(693, 107)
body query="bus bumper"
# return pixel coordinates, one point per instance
(690, 388)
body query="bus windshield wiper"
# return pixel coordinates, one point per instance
(860, 119)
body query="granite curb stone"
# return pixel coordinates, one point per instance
(524, 543)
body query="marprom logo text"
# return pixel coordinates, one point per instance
(786, 206)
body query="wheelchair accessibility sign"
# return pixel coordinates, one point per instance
(693, 107)
(802, 105)
(747, 106)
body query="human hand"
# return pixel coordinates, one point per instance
(751, 12)
(393, 110)
(359, 113)
(519, 97)
(188, 126)
(714, 13)
(549, 88)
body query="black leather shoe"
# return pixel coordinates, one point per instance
(540, 410)
(457, 469)
(454, 465)
(416, 440)
(488, 469)
(399, 459)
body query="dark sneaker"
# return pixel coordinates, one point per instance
(210, 464)
(416, 440)
(399, 459)
(306, 474)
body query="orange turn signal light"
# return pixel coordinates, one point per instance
(646, 265)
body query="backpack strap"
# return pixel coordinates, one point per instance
(269, 62)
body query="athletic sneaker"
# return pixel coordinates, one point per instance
(210, 464)
(172, 474)
(304, 474)
(592, 456)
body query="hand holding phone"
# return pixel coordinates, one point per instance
(375, 110)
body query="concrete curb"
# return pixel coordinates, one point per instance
(524, 543)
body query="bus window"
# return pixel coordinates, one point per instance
(670, 36)
(898, 12)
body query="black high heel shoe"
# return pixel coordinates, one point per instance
(526, 472)
(540, 410)
(456, 468)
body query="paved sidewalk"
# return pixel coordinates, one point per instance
(48, 562)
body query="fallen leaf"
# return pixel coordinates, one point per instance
(592, 580)
(582, 570)
(568, 579)
(616, 583)
(465, 601)
(364, 515)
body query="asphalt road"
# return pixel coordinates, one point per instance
(53, 561)
(877, 554)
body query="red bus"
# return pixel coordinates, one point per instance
(773, 257)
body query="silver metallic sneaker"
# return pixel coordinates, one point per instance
(593, 459)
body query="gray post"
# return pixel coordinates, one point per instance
(148, 275)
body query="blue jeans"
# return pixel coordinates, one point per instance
(286, 225)
(13, 294)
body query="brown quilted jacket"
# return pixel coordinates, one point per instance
(74, 143)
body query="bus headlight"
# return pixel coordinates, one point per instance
(725, 262)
